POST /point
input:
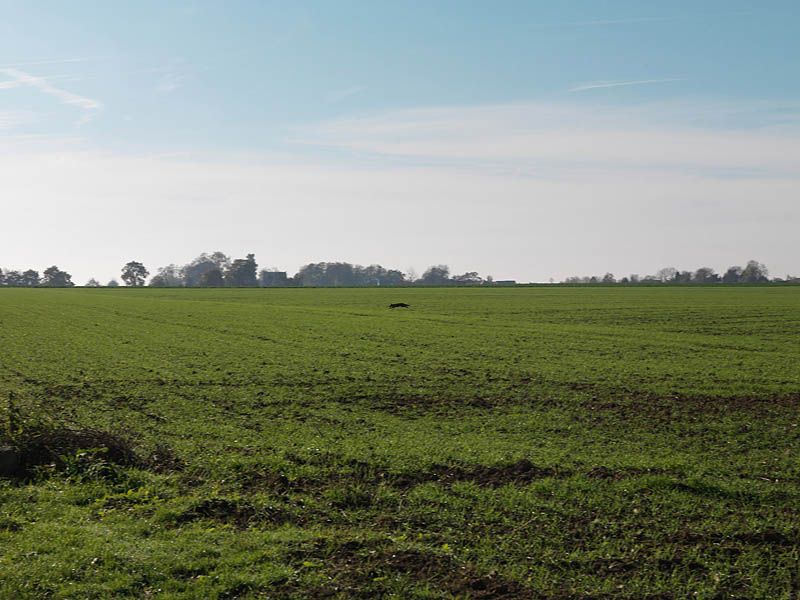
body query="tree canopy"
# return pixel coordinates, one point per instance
(55, 277)
(217, 269)
(753, 272)
(134, 274)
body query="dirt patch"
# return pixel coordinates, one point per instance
(351, 483)
(628, 404)
(360, 473)
(521, 472)
(163, 460)
(276, 483)
(76, 449)
(670, 565)
(591, 397)
(357, 570)
(770, 537)
(240, 513)
(612, 566)
(55, 446)
(444, 572)
(618, 474)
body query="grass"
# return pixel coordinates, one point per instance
(486, 443)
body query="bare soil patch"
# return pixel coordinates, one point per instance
(357, 570)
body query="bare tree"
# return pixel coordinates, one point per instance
(666, 274)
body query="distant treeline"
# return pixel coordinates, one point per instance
(51, 277)
(219, 270)
(753, 272)
(216, 269)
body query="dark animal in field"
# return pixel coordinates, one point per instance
(399, 305)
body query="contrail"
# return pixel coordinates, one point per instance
(610, 84)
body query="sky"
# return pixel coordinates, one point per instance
(529, 140)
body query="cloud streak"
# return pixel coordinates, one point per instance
(339, 95)
(171, 76)
(44, 86)
(563, 140)
(624, 21)
(169, 82)
(11, 84)
(612, 84)
(661, 19)
(37, 63)
(13, 119)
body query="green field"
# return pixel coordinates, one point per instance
(544, 442)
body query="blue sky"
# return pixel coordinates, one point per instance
(502, 118)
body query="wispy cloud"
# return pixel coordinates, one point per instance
(17, 83)
(21, 78)
(642, 20)
(13, 119)
(562, 140)
(624, 21)
(36, 63)
(169, 82)
(171, 76)
(339, 95)
(612, 84)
